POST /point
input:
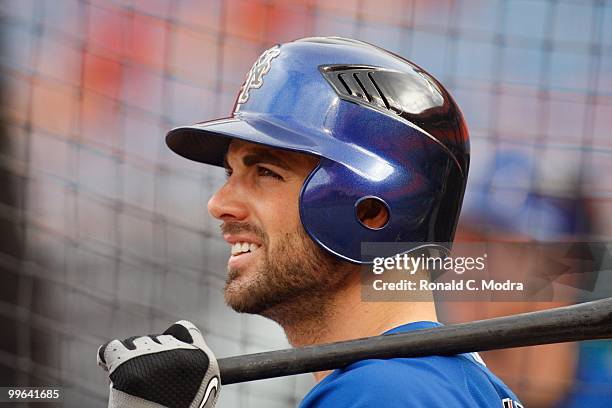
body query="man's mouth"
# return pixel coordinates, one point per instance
(240, 248)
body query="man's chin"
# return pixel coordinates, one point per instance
(241, 301)
(239, 293)
(246, 295)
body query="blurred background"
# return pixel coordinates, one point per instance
(104, 232)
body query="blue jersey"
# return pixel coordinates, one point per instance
(434, 381)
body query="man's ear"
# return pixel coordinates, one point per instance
(372, 212)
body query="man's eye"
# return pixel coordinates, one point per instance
(264, 172)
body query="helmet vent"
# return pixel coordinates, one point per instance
(365, 92)
(346, 87)
(353, 86)
(382, 95)
(357, 84)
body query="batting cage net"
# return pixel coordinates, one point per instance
(105, 233)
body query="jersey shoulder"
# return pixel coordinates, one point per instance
(433, 381)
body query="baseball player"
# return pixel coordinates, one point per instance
(332, 142)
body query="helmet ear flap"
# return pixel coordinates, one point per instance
(340, 209)
(337, 213)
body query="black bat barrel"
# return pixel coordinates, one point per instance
(584, 321)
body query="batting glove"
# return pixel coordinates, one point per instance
(175, 370)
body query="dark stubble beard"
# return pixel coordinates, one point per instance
(294, 284)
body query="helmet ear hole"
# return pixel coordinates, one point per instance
(372, 212)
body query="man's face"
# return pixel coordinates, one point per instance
(273, 261)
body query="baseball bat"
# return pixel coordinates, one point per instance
(583, 321)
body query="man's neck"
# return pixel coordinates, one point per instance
(345, 316)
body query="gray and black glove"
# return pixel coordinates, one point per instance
(175, 370)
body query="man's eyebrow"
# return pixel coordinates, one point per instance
(260, 156)
(256, 157)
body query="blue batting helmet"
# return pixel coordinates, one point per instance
(382, 127)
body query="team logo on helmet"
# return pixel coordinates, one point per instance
(255, 76)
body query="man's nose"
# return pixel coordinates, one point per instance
(228, 204)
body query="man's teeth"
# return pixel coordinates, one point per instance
(242, 247)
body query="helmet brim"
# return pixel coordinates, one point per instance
(208, 142)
